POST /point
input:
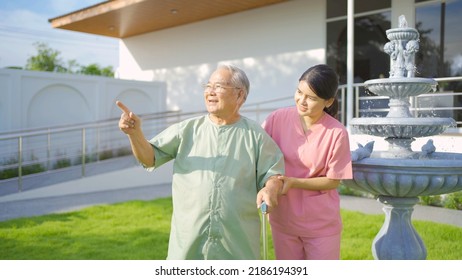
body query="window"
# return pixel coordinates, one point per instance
(369, 59)
(440, 52)
(338, 8)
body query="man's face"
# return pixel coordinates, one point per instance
(222, 98)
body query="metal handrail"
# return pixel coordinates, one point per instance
(64, 128)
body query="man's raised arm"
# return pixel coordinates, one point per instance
(130, 124)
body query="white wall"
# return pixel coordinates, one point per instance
(32, 99)
(274, 45)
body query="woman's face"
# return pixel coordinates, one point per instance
(308, 103)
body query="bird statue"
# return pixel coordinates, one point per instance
(427, 149)
(362, 151)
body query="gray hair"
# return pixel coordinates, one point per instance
(238, 78)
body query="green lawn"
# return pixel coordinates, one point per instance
(139, 230)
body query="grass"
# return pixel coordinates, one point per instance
(139, 230)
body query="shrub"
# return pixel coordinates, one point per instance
(453, 201)
(13, 172)
(344, 190)
(124, 152)
(106, 154)
(88, 158)
(62, 163)
(431, 200)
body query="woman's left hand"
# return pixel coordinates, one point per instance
(287, 183)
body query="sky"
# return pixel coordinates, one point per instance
(25, 22)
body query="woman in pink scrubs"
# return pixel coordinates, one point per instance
(307, 222)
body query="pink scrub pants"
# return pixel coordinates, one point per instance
(292, 247)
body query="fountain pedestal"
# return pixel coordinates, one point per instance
(397, 239)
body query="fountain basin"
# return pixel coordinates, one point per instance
(405, 127)
(401, 33)
(440, 173)
(400, 88)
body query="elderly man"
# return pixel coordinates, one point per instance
(225, 165)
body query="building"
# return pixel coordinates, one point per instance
(274, 41)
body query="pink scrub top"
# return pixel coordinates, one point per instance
(323, 151)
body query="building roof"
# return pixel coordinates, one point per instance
(126, 18)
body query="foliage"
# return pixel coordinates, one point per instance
(62, 163)
(11, 171)
(95, 70)
(431, 200)
(48, 59)
(344, 190)
(450, 200)
(106, 154)
(124, 152)
(9, 168)
(453, 200)
(139, 230)
(89, 158)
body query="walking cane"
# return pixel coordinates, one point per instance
(264, 209)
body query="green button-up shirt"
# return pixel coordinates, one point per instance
(217, 173)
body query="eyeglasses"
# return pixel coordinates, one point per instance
(218, 88)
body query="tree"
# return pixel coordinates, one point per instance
(95, 69)
(47, 59)
(71, 64)
(107, 71)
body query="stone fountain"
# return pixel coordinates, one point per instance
(399, 175)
